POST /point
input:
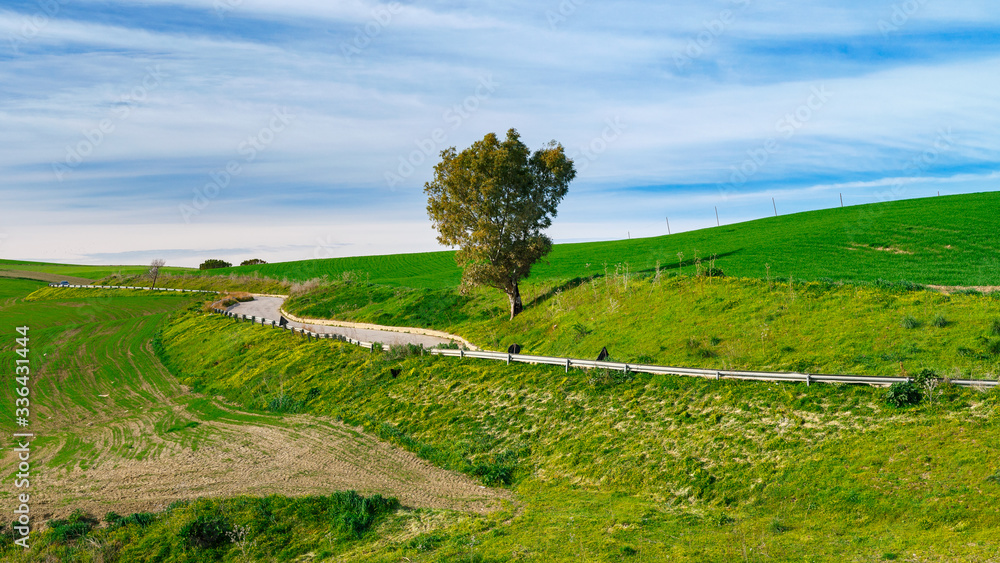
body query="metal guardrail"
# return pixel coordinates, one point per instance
(807, 378)
(130, 287)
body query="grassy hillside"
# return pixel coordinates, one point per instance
(86, 272)
(951, 240)
(640, 468)
(117, 432)
(723, 323)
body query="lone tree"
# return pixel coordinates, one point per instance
(493, 200)
(154, 270)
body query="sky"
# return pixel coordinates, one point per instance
(301, 129)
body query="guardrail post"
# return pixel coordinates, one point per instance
(508, 359)
(808, 380)
(461, 353)
(626, 369)
(567, 365)
(718, 375)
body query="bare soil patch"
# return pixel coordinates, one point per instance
(309, 456)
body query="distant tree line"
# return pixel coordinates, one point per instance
(214, 263)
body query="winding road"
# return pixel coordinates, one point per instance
(269, 307)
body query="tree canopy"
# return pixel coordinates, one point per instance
(493, 200)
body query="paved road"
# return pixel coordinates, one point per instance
(270, 308)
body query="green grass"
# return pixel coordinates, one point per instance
(674, 468)
(699, 322)
(78, 271)
(949, 240)
(205, 530)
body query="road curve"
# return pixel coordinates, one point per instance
(270, 308)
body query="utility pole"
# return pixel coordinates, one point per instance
(717, 224)
(775, 207)
(668, 225)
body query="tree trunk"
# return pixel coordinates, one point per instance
(515, 301)
(156, 275)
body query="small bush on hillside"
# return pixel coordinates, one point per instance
(995, 327)
(910, 322)
(355, 514)
(141, 519)
(939, 321)
(713, 273)
(213, 263)
(206, 532)
(284, 403)
(76, 526)
(903, 394)
(253, 262)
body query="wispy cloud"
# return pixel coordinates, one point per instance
(228, 65)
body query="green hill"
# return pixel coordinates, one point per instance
(950, 240)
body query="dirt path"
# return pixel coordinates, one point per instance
(270, 307)
(302, 455)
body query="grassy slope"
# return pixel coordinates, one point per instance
(94, 369)
(88, 272)
(697, 322)
(950, 240)
(673, 468)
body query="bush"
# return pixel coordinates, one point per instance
(252, 262)
(141, 519)
(355, 514)
(213, 263)
(910, 322)
(940, 321)
(995, 327)
(902, 394)
(284, 403)
(76, 526)
(498, 469)
(206, 532)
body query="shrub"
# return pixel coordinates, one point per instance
(995, 327)
(76, 526)
(910, 322)
(141, 519)
(355, 514)
(284, 403)
(213, 263)
(902, 394)
(206, 532)
(252, 262)
(498, 469)
(939, 321)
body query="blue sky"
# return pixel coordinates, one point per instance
(194, 129)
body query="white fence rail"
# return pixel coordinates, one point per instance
(129, 287)
(807, 378)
